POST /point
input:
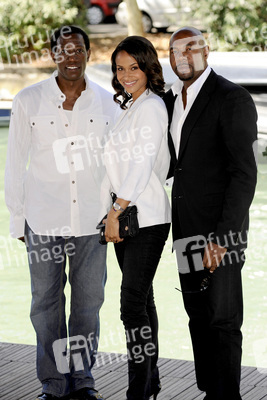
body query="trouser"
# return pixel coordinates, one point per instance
(87, 275)
(138, 259)
(215, 320)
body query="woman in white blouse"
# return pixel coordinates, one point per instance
(137, 161)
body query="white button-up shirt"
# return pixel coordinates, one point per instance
(179, 112)
(59, 192)
(137, 160)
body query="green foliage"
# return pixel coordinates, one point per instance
(239, 25)
(26, 25)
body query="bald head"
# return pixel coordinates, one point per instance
(187, 31)
(188, 54)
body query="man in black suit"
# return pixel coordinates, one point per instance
(211, 136)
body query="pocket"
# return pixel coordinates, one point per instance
(44, 130)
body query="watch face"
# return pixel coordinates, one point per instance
(116, 206)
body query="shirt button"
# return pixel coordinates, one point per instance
(33, 123)
(74, 201)
(72, 162)
(72, 143)
(73, 182)
(180, 197)
(62, 96)
(66, 125)
(58, 106)
(91, 120)
(51, 122)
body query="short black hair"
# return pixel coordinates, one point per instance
(66, 30)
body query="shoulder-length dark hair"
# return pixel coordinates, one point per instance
(143, 51)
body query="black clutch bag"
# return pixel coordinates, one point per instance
(128, 223)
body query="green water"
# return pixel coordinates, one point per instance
(15, 297)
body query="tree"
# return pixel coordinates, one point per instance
(26, 25)
(135, 25)
(234, 24)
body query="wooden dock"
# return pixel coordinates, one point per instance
(18, 377)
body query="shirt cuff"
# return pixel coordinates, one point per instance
(17, 227)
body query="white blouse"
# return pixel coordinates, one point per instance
(137, 160)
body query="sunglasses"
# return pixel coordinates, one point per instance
(203, 286)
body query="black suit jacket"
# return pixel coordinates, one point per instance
(215, 173)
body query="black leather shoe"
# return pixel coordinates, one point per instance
(86, 394)
(45, 396)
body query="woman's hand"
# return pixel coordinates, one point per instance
(112, 227)
(112, 222)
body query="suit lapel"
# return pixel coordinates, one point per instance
(169, 100)
(196, 110)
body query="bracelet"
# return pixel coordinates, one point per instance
(117, 207)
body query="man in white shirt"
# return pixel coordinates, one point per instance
(212, 131)
(58, 125)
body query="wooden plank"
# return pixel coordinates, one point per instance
(254, 378)
(177, 388)
(111, 361)
(191, 393)
(3, 362)
(264, 381)
(172, 367)
(18, 377)
(180, 369)
(256, 393)
(16, 352)
(113, 382)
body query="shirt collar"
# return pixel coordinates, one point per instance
(133, 104)
(54, 90)
(195, 87)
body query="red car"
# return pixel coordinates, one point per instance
(100, 9)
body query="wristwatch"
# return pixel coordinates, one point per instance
(117, 207)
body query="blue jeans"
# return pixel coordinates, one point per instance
(138, 258)
(87, 276)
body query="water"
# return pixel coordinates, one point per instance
(15, 296)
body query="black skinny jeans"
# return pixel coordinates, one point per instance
(138, 259)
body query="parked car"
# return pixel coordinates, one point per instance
(100, 9)
(158, 14)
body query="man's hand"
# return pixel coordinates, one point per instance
(213, 256)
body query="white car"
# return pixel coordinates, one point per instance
(159, 14)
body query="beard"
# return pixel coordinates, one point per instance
(185, 72)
